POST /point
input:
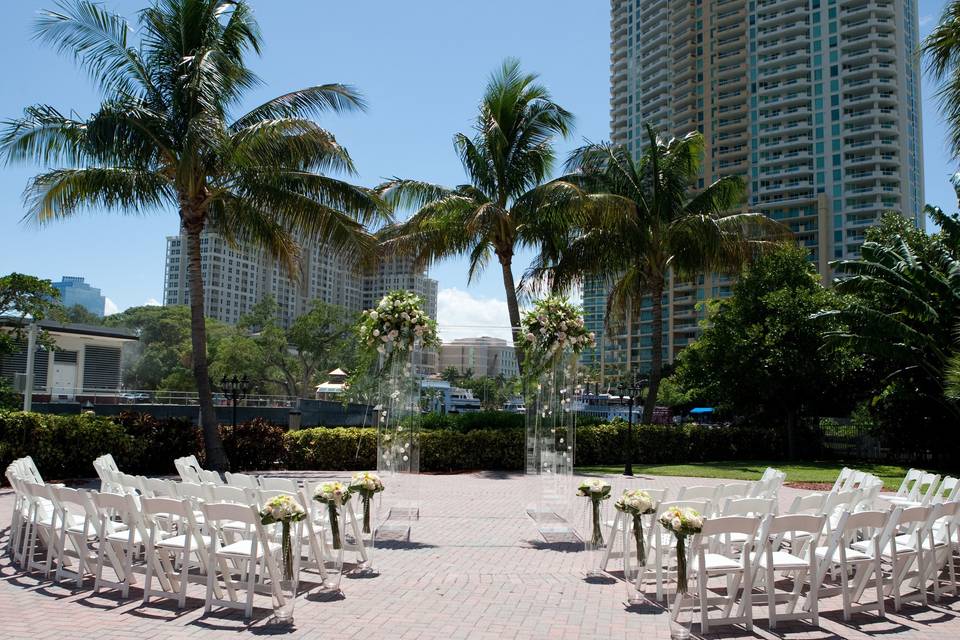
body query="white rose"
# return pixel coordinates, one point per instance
(374, 315)
(676, 524)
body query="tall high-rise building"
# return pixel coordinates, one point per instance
(814, 103)
(236, 278)
(75, 291)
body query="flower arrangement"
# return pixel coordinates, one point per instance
(366, 485)
(637, 503)
(681, 523)
(283, 510)
(397, 323)
(551, 326)
(333, 494)
(598, 491)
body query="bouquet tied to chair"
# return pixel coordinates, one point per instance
(598, 491)
(637, 503)
(333, 494)
(681, 522)
(283, 510)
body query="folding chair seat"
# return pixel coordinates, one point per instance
(174, 539)
(738, 571)
(799, 566)
(863, 561)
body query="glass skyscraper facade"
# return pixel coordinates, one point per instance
(814, 103)
(74, 291)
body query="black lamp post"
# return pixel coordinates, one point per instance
(633, 389)
(236, 389)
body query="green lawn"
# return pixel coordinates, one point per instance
(810, 471)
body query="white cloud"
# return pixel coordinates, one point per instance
(110, 307)
(462, 315)
(152, 302)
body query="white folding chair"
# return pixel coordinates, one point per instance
(225, 553)
(279, 484)
(877, 527)
(738, 572)
(906, 550)
(701, 492)
(18, 516)
(735, 490)
(188, 468)
(924, 490)
(909, 488)
(122, 536)
(41, 528)
(948, 491)
(207, 475)
(174, 540)
(76, 522)
(621, 526)
(801, 567)
(841, 480)
(662, 550)
(242, 480)
(939, 547)
(749, 507)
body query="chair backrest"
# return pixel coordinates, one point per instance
(278, 484)
(865, 524)
(943, 519)
(700, 506)
(193, 491)
(927, 486)
(188, 468)
(947, 491)
(734, 490)
(768, 473)
(759, 507)
(217, 512)
(841, 479)
(160, 488)
(260, 497)
(795, 523)
(227, 494)
(122, 507)
(207, 475)
(810, 504)
(242, 480)
(908, 486)
(730, 524)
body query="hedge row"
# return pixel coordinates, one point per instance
(65, 446)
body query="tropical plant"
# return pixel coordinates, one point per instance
(941, 48)
(163, 138)
(23, 296)
(647, 220)
(505, 206)
(904, 312)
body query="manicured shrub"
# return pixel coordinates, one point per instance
(254, 445)
(156, 443)
(350, 448)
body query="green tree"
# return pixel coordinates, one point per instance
(22, 297)
(903, 313)
(761, 353)
(163, 139)
(450, 374)
(505, 206)
(81, 315)
(649, 220)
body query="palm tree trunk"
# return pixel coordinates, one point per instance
(656, 361)
(216, 456)
(513, 307)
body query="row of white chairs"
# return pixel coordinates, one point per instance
(881, 551)
(172, 533)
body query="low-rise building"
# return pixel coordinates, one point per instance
(478, 357)
(85, 361)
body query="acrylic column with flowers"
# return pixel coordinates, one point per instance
(552, 337)
(393, 333)
(682, 523)
(287, 512)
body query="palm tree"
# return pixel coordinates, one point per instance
(903, 311)
(505, 205)
(942, 50)
(647, 221)
(163, 138)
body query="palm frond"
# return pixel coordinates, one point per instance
(64, 192)
(303, 103)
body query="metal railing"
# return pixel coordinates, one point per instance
(153, 397)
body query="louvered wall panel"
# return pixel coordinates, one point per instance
(16, 362)
(101, 367)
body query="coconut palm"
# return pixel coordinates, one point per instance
(504, 206)
(163, 138)
(942, 51)
(646, 220)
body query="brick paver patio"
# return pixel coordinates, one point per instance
(476, 568)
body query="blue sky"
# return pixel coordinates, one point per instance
(421, 65)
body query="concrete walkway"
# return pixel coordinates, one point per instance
(476, 567)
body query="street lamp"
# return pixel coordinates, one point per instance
(631, 392)
(235, 389)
